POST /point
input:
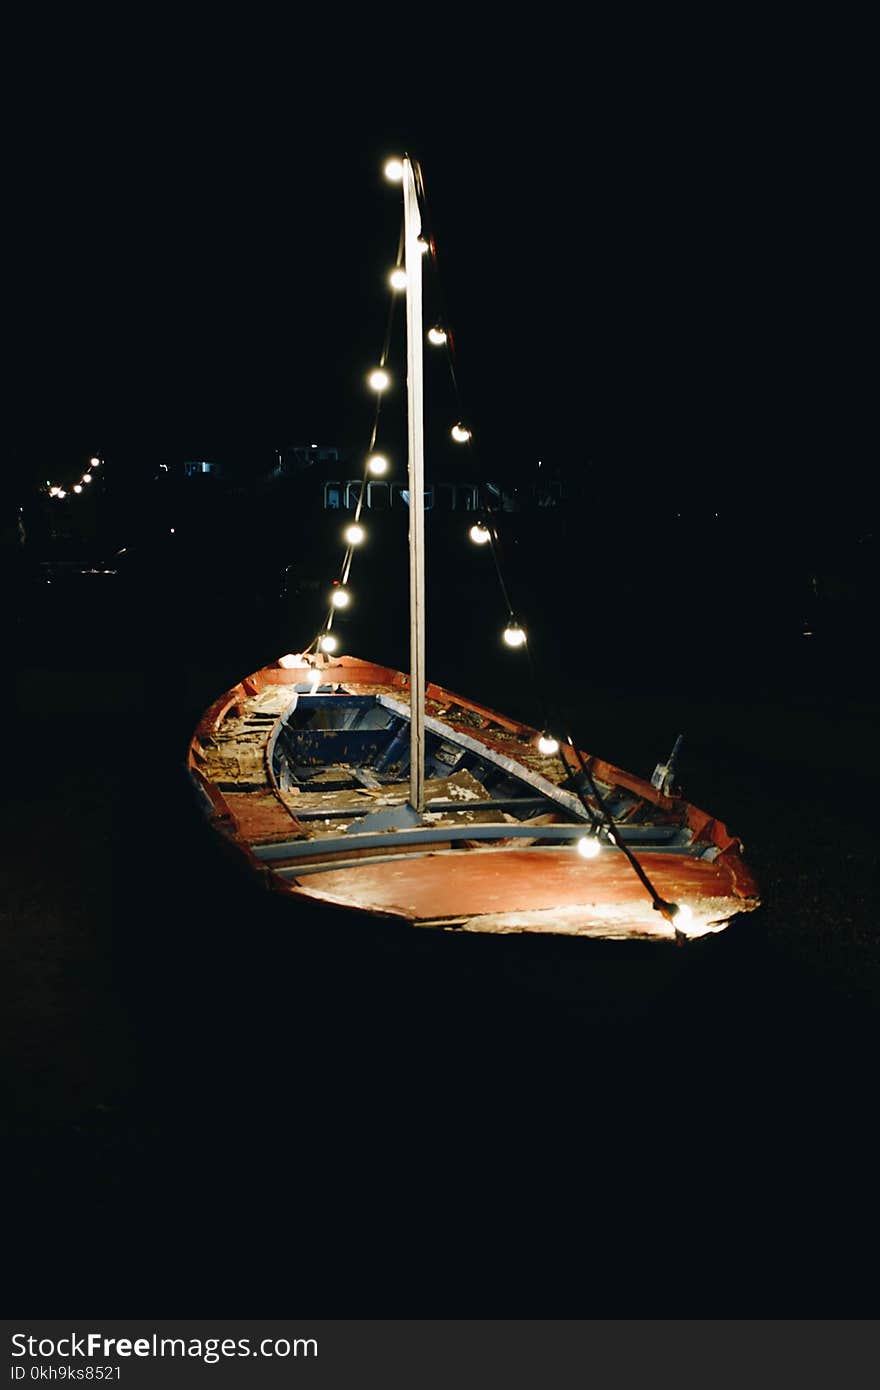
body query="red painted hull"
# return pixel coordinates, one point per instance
(499, 888)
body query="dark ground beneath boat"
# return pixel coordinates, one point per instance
(220, 1104)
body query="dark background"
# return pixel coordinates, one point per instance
(658, 249)
(654, 250)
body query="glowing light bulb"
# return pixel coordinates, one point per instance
(422, 245)
(61, 492)
(94, 463)
(77, 487)
(397, 279)
(514, 635)
(289, 660)
(340, 598)
(329, 643)
(377, 464)
(54, 491)
(437, 335)
(460, 433)
(588, 847)
(480, 534)
(394, 170)
(548, 745)
(379, 379)
(314, 677)
(354, 534)
(87, 477)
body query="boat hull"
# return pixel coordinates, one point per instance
(465, 868)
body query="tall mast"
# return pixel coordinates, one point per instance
(416, 438)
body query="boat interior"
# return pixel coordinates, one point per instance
(341, 763)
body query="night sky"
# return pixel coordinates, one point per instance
(654, 257)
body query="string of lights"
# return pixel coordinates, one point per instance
(483, 532)
(58, 493)
(376, 465)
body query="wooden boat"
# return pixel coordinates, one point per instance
(303, 767)
(347, 783)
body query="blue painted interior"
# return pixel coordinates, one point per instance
(323, 731)
(326, 736)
